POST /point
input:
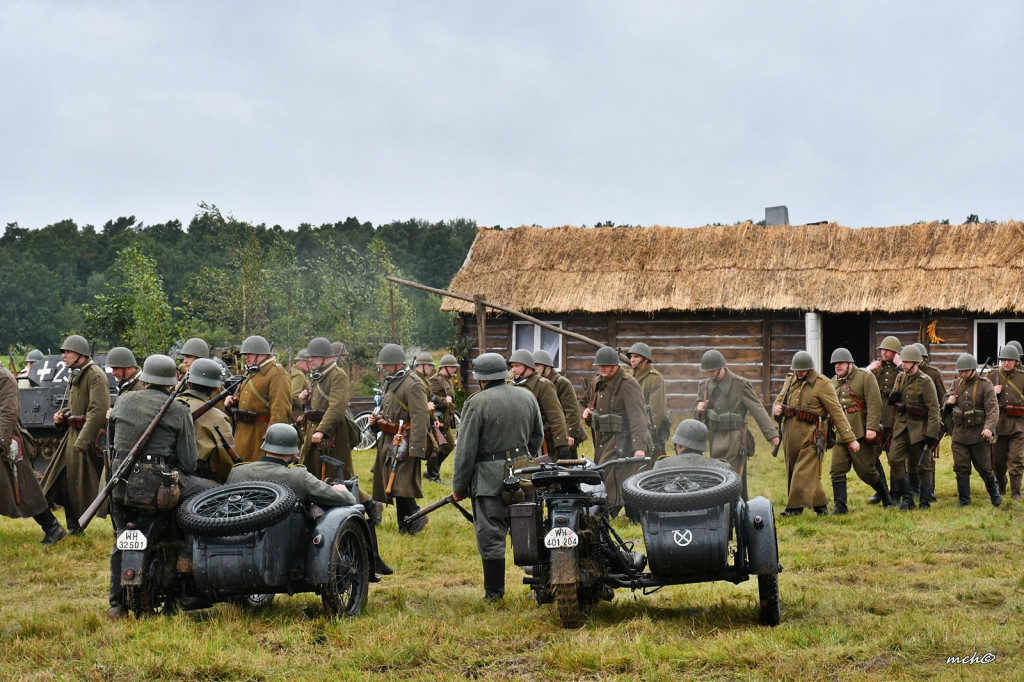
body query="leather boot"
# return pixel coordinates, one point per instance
(433, 472)
(926, 494)
(915, 485)
(1015, 487)
(494, 579)
(902, 488)
(882, 492)
(380, 568)
(839, 496)
(1001, 479)
(992, 485)
(875, 499)
(963, 489)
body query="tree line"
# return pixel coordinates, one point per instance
(148, 286)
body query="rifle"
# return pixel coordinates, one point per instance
(230, 388)
(438, 436)
(783, 393)
(121, 472)
(227, 446)
(396, 446)
(437, 505)
(13, 455)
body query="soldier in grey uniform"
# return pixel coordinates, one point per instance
(577, 433)
(974, 410)
(279, 447)
(500, 424)
(172, 445)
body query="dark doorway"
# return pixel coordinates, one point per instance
(849, 330)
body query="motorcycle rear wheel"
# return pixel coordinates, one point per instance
(768, 592)
(566, 594)
(156, 593)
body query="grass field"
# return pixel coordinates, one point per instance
(872, 595)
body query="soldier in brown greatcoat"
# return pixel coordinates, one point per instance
(1008, 452)
(567, 398)
(73, 476)
(404, 402)
(442, 396)
(652, 384)
(861, 400)
(804, 406)
(214, 462)
(264, 398)
(974, 411)
(619, 419)
(724, 400)
(125, 369)
(915, 433)
(298, 380)
(20, 494)
(524, 374)
(885, 370)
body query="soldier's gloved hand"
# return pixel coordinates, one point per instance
(895, 397)
(562, 452)
(930, 442)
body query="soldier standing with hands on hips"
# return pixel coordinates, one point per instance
(500, 425)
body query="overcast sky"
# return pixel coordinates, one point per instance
(554, 112)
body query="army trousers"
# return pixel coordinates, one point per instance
(862, 462)
(977, 454)
(906, 457)
(1008, 456)
(490, 523)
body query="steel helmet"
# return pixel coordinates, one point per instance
(119, 356)
(159, 370)
(339, 348)
(320, 348)
(76, 344)
(489, 366)
(424, 358)
(890, 343)
(841, 355)
(303, 354)
(255, 345)
(448, 360)
(1008, 352)
(691, 434)
(34, 355)
(204, 372)
(281, 439)
(642, 349)
(965, 362)
(712, 361)
(911, 353)
(1016, 344)
(196, 347)
(924, 350)
(391, 354)
(542, 357)
(523, 357)
(606, 355)
(802, 361)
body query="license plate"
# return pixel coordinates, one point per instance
(131, 539)
(561, 537)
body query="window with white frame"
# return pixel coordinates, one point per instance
(991, 335)
(531, 337)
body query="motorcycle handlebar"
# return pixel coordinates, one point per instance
(567, 464)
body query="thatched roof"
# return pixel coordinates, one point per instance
(827, 268)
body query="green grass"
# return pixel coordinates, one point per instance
(872, 595)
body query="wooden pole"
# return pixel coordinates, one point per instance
(391, 293)
(481, 323)
(504, 309)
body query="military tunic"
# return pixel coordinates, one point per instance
(214, 462)
(441, 388)
(975, 410)
(131, 384)
(405, 399)
(906, 454)
(814, 394)
(299, 382)
(497, 421)
(555, 433)
(267, 393)
(1008, 452)
(570, 407)
(619, 420)
(861, 400)
(328, 403)
(73, 476)
(652, 385)
(729, 402)
(32, 500)
(886, 377)
(307, 487)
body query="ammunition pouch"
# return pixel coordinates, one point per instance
(1012, 410)
(853, 408)
(150, 485)
(388, 427)
(314, 416)
(609, 423)
(968, 418)
(724, 421)
(914, 410)
(809, 416)
(75, 421)
(250, 417)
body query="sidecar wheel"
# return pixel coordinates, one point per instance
(682, 488)
(676, 461)
(346, 590)
(236, 508)
(768, 594)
